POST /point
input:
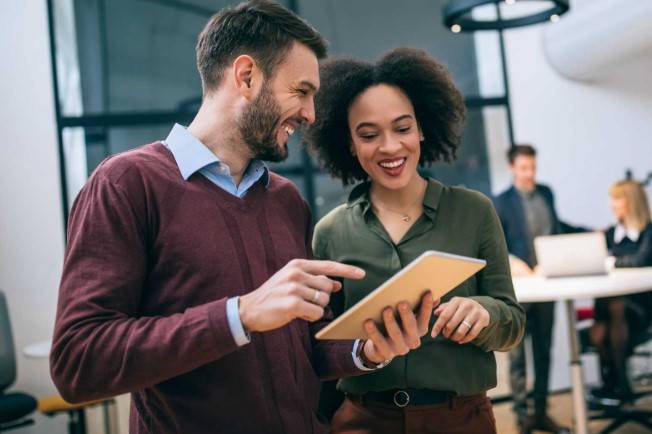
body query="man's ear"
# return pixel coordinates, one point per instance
(246, 76)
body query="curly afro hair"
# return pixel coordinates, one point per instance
(438, 106)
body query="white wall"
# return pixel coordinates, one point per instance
(31, 227)
(587, 135)
(31, 221)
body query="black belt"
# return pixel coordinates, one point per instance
(405, 397)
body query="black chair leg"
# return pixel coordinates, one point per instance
(640, 417)
(82, 421)
(72, 423)
(77, 422)
(16, 425)
(644, 419)
(614, 425)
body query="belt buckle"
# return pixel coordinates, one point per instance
(401, 398)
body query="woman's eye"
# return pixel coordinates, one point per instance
(367, 135)
(403, 129)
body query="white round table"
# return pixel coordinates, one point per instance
(618, 282)
(38, 350)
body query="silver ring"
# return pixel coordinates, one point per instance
(315, 298)
(466, 323)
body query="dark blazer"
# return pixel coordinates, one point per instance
(512, 216)
(631, 253)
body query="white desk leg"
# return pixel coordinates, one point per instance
(577, 379)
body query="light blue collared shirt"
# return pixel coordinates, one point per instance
(193, 156)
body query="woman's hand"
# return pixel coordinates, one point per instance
(460, 319)
(399, 338)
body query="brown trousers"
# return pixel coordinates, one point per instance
(460, 415)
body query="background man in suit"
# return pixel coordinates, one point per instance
(527, 210)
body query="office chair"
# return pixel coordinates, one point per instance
(605, 408)
(15, 407)
(54, 405)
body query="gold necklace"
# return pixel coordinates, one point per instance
(404, 216)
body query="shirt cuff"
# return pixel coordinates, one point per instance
(240, 335)
(357, 360)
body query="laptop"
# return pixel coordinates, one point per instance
(582, 254)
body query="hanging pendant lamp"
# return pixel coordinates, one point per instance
(459, 18)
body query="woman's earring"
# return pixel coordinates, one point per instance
(422, 138)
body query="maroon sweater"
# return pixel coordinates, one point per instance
(150, 263)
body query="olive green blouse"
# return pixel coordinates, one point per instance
(454, 220)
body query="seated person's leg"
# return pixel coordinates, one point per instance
(599, 334)
(612, 337)
(618, 333)
(541, 345)
(598, 338)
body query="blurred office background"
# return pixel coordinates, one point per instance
(580, 90)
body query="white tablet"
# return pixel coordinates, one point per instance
(436, 271)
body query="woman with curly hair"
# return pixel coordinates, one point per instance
(376, 123)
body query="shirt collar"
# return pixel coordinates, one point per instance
(192, 155)
(526, 194)
(256, 165)
(621, 232)
(360, 196)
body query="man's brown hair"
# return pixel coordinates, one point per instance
(516, 150)
(263, 29)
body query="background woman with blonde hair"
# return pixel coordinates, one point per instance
(618, 320)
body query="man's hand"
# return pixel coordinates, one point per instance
(298, 290)
(519, 267)
(400, 339)
(460, 319)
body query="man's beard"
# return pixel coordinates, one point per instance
(258, 127)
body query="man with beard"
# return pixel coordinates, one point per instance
(186, 281)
